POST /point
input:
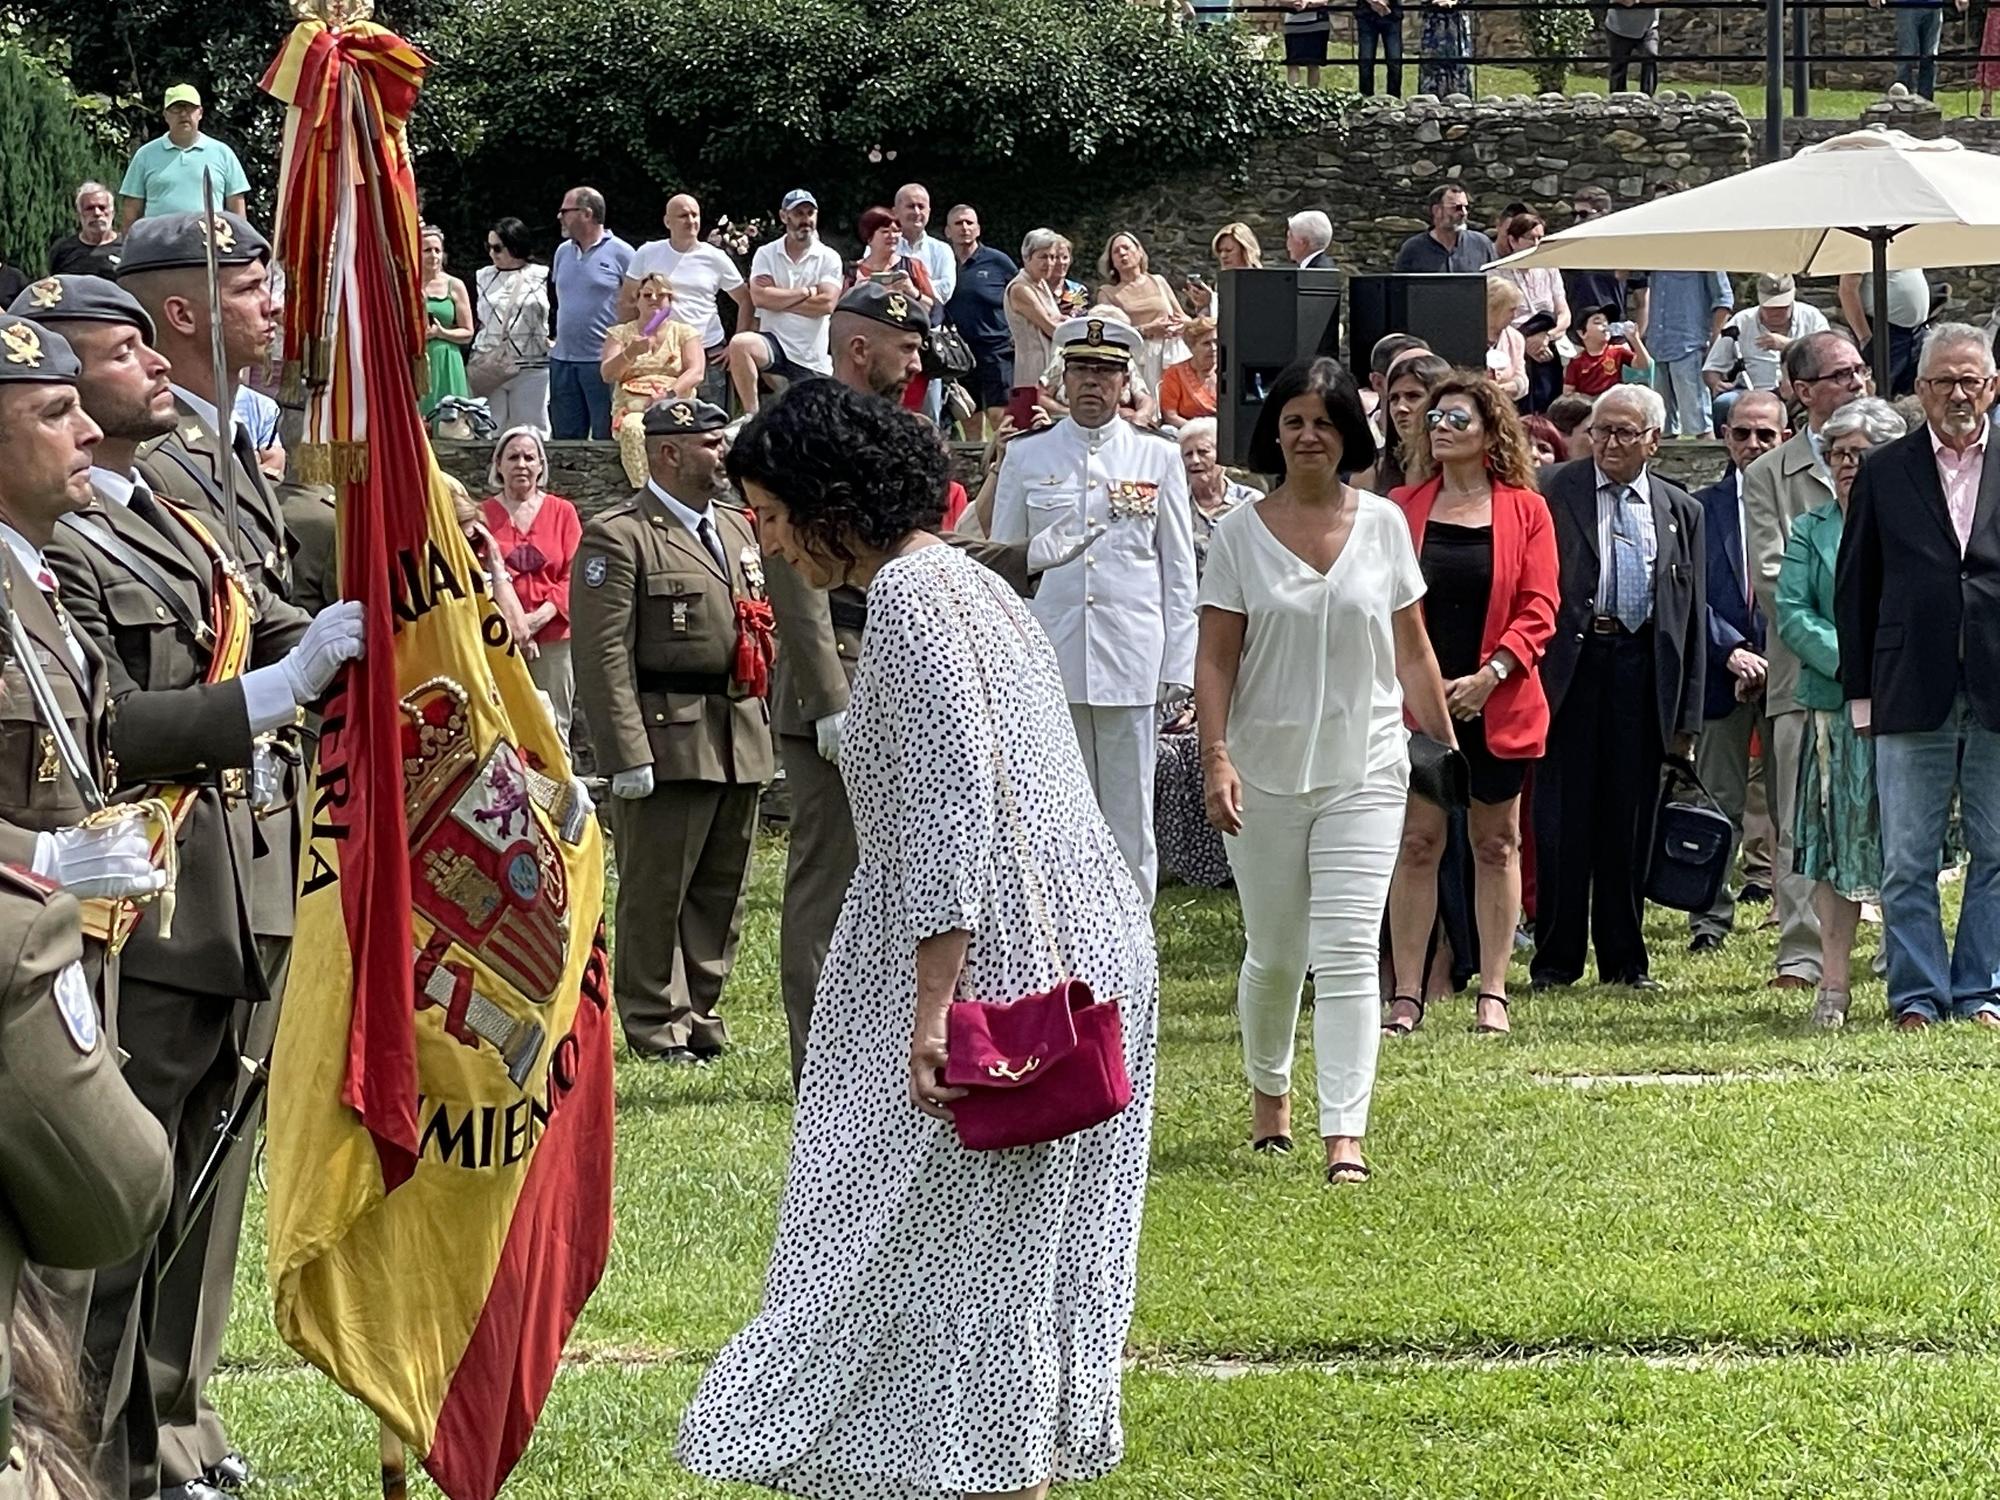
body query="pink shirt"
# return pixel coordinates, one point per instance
(1959, 474)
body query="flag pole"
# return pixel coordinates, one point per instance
(395, 1466)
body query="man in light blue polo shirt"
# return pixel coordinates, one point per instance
(165, 175)
(590, 266)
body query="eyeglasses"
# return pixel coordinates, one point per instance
(494, 247)
(1458, 418)
(1762, 434)
(1839, 457)
(1846, 375)
(561, 211)
(1956, 383)
(1616, 435)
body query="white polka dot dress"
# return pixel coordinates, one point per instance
(938, 1320)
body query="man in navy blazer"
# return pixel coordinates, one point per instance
(1623, 673)
(1917, 609)
(1734, 708)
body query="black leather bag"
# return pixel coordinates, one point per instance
(1439, 773)
(946, 355)
(1691, 844)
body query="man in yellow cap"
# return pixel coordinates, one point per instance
(165, 174)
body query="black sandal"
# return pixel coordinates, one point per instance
(1272, 1145)
(1395, 1026)
(1480, 1026)
(1346, 1171)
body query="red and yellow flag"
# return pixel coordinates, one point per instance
(440, 1135)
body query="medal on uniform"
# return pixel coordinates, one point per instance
(50, 768)
(680, 619)
(1134, 499)
(753, 571)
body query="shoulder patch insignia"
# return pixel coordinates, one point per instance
(594, 571)
(77, 1007)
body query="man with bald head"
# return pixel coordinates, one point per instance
(699, 274)
(1734, 713)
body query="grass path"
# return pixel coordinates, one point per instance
(1773, 1278)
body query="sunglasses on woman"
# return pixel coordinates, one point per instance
(1458, 419)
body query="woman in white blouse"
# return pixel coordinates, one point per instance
(514, 328)
(1311, 643)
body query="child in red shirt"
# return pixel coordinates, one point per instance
(1597, 369)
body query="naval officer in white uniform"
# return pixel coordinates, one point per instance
(1121, 612)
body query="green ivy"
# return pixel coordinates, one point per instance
(1557, 32)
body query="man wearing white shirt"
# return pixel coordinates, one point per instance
(699, 273)
(913, 215)
(1120, 614)
(794, 282)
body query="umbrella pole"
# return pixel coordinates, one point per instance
(1879, 313)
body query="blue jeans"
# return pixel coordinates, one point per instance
(579, 401)
(1918, 31)
(1915, 775)
(1371, 31)
(1685, 393)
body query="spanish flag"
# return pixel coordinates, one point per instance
(440, 1121)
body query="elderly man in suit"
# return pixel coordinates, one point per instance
(1917, 608)
(1624, 674)
(1825, 372)
(1734, 710)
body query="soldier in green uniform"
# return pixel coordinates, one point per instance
(141, 574)
(196, 460)
(672, 655)
(84, 1169)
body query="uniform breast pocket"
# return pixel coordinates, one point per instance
(145, 631)
(674, 607)
(1047, 504)
(33, 779)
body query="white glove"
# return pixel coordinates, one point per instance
(581, 806)
(114, 861)
(1064, 541)
(633, 784)
(827, 732)
(332, 640)
(1174, 696)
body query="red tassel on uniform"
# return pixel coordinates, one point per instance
(754, 649)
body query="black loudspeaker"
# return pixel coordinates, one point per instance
(1268, 319)
(1447, 311)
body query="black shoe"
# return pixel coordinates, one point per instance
(1645, 984)
(1272, 1145)
(229, 1474)
(1705, 942)
(676, 1057)
(1548, 982)
(1756, 893)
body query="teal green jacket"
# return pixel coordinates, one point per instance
(1805, 605)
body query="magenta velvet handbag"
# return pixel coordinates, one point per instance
(1038, 1069)
(1046, 1065)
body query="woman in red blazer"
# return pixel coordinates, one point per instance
(1488, 552)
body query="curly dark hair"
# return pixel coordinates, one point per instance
(1507, 454)
(850, 468)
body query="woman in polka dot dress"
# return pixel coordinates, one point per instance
(937, 1322)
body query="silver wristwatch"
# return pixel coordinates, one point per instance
(1500, 668)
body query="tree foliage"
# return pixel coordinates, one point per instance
(48, 145)
(1559, 32)
(1024, 106)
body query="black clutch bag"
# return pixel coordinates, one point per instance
(1438, 773)
(1692, 842)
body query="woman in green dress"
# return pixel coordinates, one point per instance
(1839, 829)
(450, 312)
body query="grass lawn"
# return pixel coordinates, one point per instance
(1768, 1272)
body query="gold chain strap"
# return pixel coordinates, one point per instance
(1037, 894)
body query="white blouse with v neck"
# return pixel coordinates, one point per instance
(1317, 703)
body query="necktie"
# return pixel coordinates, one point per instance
(1628, 560)
(46, 582)
(710, 540)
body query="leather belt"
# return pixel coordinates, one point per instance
(1607, 625)
(713, 683)
(847, 616)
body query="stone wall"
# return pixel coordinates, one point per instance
(1371, 175)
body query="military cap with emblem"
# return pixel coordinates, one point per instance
(869, 299)
(33, 355)
(1095, 340)
(173, 242)
(679, 416)
(81, 299)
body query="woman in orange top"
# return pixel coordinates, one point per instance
(1187, 390)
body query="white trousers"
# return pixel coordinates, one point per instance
(1120, 746)
(522, 401)
(1312, 874)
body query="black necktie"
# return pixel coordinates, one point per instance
(706, 531)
